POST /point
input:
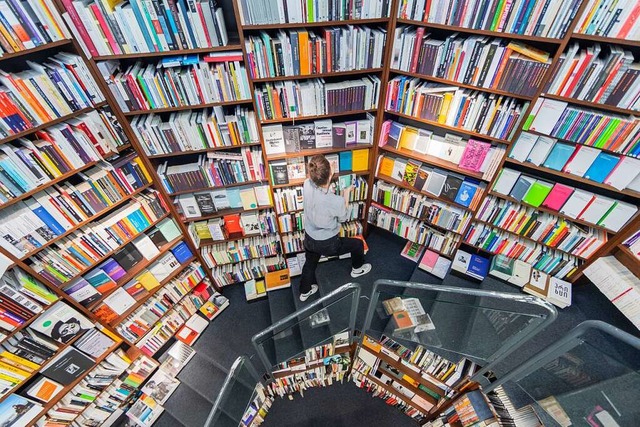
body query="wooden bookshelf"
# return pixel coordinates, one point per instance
(504, 35)
(309, 153)
(319, 75)
(236, 184)
(139, 268)
(575, 178)
(209, 242)
(85, 222)
(315, 24)
(461, 85)
(433, 161)
(608, 40)
(430, 224)
(59, 44)
(186, 107)
(149, 295)
(202, 151)
(396, 393)
(24, 325)
(406, 186)
(449, 128)
(233, 45)
(224, 212)
(51, 123)
(318, 117)
(628, 258)
(291, 183)
(591, 104)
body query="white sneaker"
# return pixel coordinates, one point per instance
(306, 295)
(357, 272)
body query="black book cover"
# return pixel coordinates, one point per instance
(307, 136)
(128, 257)
(339, 135)
(205, 203)
(279, 174)
(68, 366)
(291, 139)
(451, 187)
(421, 179)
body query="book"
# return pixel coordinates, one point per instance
(161, 386)
(559, 293)
(67, 366)
(412, 251)
(61, 322)
(44, 389)
(18, 410)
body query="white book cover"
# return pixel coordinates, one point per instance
(146, 247)
(435, 183)
(540, 150)
(596, 210)
(624, 174)
(547, 116)
(521, 273)
(581, 161)
(559, 292)
(523, 146)
(119, 301)
(618, 216)
(323, 133)
(506, 181)
(273, 136)
(576, 203)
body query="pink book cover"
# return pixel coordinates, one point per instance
(474, 154)
(428, 260)
(557, 197)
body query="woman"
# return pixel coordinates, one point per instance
(323, 213)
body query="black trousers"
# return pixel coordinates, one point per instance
(333, 246)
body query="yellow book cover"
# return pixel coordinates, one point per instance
(408, 138)
(26, 363)
(303, 43)
(448, 373)
(148, 280)
(14, 370)
(11, 379)
(360, 160)
(442, 116)
(260, 287)
(372, 344)
(410, 380)
(142, 168)
(528, 51)
(277, 279)
(49, 164)
(386, 166)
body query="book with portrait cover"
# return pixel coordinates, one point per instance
(61, 323)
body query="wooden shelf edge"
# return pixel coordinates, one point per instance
(196, 51)
(318, 75)
(202, 151)
(186, 107)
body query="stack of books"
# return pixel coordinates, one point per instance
(570, 202)
(254, 12)
(145, 87)
(495, 116)
(302, 52)
(612, 132)
(196, 130)
(140, 27)
(213, 170)
(310, 98)
(478, 61)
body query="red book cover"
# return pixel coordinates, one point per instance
(77, 22)
(233, 226)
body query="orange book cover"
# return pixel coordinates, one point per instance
(305, 61)
(503, 64)
(232, 225)
(402, 320)
(277, 279)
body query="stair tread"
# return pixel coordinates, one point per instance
(289, 342)
(202, 375)
(188, 406)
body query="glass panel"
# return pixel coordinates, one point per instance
(315, 327)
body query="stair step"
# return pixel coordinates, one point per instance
(312, 332)
(202, 375)
(166, 420)
(289, 342)
(188, 406)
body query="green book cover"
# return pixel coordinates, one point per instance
(502, 265)
(537, 193)
(606, 134)
(496, 17)
(430, 392)
(387, 198)
(145, 89)
(169, 229)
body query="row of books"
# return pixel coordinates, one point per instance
(471, 155)
(34, 222)
(115, 302)
(194, 81)
(537, 255)
(180, 314)
(594, 164)
(291, 222)
(293, 242)
(291, 199)
(21, 298)
(140, 321)
(196, 130)
(479, 61)
(536, 18)
(79, 251)
(234, 226)
(142, 27)
(613, 132)
(215, 169)
(545, 283)
(201, 204)
(315, 97)
(107, 406)
(570, 202)
(602, 74)
(633, 244)
(240, 250)
(351, 229)
(619, 21)
(255, 12)
(321, 134)
(333, 368)
(542, 227)
(420, 206)
(25, 26)
(442, 184)
(44, 92)
(302, 52)
(413, 229)
(229, 274)
(75, 401)
(258, 408)
(618, 284)
(488, 114)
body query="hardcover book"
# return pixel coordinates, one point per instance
(67, 366)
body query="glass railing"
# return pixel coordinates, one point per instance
(314, 325)
(480, 325)
(236, 396)
(591, 376)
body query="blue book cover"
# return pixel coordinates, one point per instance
(345, 161)
(602, 167)
(559, 156)
(394, 134)
(465, 193)
(478, 266)
(181, 252)
(233, 196)
(46, 217)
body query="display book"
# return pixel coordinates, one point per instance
(103, 31)
(258, 408)
(319, 367)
